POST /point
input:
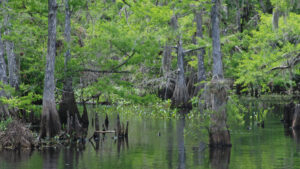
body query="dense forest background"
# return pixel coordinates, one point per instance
(146, 51)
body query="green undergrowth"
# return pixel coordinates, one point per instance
(159, 110)
(5, 123)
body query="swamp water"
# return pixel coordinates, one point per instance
(154, 144)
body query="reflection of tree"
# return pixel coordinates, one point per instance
(50, 158)
(170, 144)
(14, 157)
(71, 156)
(180, 142)
(122, 143)
(220, 157)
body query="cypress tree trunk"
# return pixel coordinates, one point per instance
(181, 95)
(218, 130)
(50, 124)
(11, 57)
(262, 5)
(168, 89)
(276, 15)
(68, 103)
(200, 54)
(238, 16)
(4, 113)
(217, 57)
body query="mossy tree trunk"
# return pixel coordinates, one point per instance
(200, 54)
(168, 88)
(4, 113)
(276, 16)
(50, 123)
(181, 96)
(217, 56)
(218, 130)
(13, 71)
(68, 102)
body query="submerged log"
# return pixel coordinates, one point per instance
(296, 119)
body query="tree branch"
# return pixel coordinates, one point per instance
(191, 50)
(103, 71)
(124, 1)
(124, 62)
(291, 64)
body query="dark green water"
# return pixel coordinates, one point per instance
(154, 144)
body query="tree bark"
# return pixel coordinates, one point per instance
(217, 57)
(200, 54)
(238, 16)
(219, 135)
(218, 131)
(4, 113)
(50, 124)
(181, 95)
(68, 102)
(262, 5)
(276, 15)
(11, 57)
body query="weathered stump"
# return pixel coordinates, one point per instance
(216, 99)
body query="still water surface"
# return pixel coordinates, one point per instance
(155, 144)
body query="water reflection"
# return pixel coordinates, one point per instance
(14, 158)
(122, 144)
(50, 158)
(219, 157)
(180, 141)
(170, 144)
